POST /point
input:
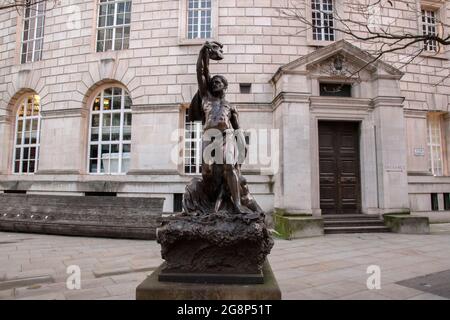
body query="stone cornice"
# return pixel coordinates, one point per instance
(67, 172)
(388, 102)
(387, 76)
(176, 107)
(64, 113)
(411, 113)
(290, 97)
(154, 172)
(156, 108)
(253, 107)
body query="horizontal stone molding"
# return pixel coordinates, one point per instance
(427, 179)
(153, 172)
(387, 76)
(176, 107)
(156, 108)
(420, 114)
(5, 119)
(289, 97)
(332, 108)
(419, 173)
(388, 102)
(340, 102)
(64, 113)
(58, 172)
(254, 107)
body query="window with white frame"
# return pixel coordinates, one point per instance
(192, 146)
(110, 132)
(199, 19)
(26, 146)
(33, 31)
(429, 27)
(113, 25)
(435, 159)
(322, 20)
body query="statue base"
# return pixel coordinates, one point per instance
(214, 247)
(225, 278)
(153, 289)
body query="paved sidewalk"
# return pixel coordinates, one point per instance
(329, 267)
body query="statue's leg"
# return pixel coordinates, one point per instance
(232, 180)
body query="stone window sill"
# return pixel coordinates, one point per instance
(193, 42)
(319, 43)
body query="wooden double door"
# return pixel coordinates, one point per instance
(340, 191)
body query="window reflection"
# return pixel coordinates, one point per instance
(26, 149)
(110, 142)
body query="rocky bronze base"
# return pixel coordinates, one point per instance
(153, 289)
(215, 244)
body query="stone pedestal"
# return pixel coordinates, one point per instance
(297, 226)
(213, 256)
(153, 289)
(405, 223)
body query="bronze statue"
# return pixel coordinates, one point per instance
(222, 186)
(221, 237)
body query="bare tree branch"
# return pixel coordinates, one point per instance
(368, 22)
(19, 4)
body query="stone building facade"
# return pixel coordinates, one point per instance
(93, 96)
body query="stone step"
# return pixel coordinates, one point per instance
(329, 217)
(353, 223)
(364, 229)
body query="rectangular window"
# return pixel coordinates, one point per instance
(322, 20)
(245, 88)
(434, 202)
(15, 191)
(177, 202)
(429, 27)
(435, 163)
(113, 25)
(192, 147)
(335, 89)
(33, 31)
(446, 201)
(199, 19)
(100, 194)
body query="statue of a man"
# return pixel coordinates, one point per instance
(220, 172)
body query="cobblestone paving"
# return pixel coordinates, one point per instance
(329, 267)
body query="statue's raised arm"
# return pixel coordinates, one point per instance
(210, 50)
(203, 76)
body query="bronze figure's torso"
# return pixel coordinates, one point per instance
(217, 114)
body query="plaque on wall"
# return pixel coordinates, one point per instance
(419, 152)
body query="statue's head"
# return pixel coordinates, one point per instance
(219, 83)
(215, 50)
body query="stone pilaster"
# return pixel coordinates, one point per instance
(155, 139)
(63, 137)
(293, 186)
(391, 154)
(5, 143)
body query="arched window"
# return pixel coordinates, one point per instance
(26, 147)
(110, 132)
